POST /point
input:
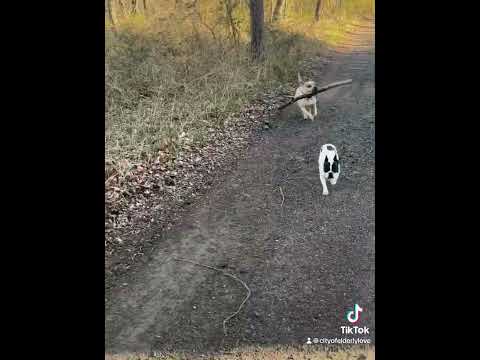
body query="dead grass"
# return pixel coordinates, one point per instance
(165, 89)
(268, 353)
(171, 79)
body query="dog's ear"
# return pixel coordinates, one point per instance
(300, 81)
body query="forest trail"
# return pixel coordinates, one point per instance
(306, 258)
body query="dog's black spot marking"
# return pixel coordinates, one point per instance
(326, 166)
(336, 164)
(329, 147)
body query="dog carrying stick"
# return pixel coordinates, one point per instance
(320, 90)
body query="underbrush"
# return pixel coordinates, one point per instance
(172, 81)
(166, 90)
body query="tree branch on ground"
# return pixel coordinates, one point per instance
(226, 274)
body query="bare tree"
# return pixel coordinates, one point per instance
(271, 11)
(229, 9)
(133, 7)
(108, 7)
(204, 23)
(317, 10)
(278, 9)
(256, 29)
(122, 8)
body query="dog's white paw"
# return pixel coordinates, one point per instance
(325, 193)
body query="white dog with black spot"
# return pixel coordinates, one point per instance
(329, 166)
(306, 88)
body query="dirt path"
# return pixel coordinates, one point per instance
(306, 258)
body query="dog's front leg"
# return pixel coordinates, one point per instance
(312, 114)
(315, 109)
(305, 112)
(309, 114)
(324, 185)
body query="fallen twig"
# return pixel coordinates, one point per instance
(318, 91)
(283, 197)
(226, 274)
(110, 178)
(202, 77)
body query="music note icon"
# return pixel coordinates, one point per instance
(354, 315)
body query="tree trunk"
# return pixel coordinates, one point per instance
(256, 29)
(317, 10)
(122, 8)
(109, 11)
(144, 6)
(270, 19)
(278, 9)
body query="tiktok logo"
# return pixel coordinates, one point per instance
(354, 315)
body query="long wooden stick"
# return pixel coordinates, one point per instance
(319, 90)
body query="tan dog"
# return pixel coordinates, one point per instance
(305, 88)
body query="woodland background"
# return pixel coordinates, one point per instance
(176, 69)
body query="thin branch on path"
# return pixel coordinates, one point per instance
(283, 197)
(318, 91)
(226, 274)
